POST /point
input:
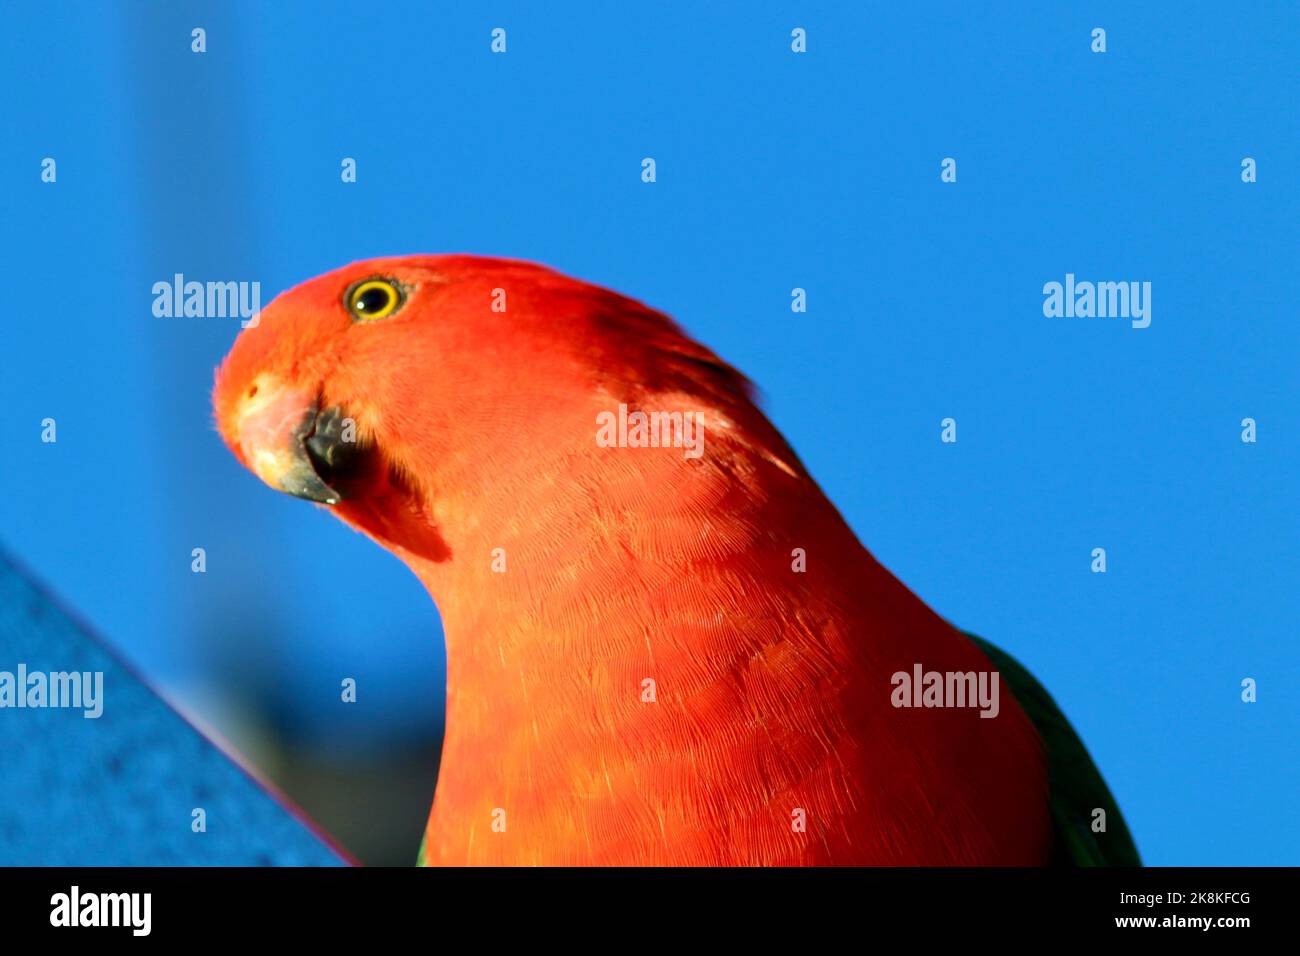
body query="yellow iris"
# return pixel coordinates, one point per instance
(373, 299)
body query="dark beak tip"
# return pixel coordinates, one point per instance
(303, 482)
(315, 438)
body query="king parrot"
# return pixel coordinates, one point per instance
(664, 644)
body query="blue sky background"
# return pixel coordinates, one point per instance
(774, 171)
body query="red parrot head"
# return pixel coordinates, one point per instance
(396, 390)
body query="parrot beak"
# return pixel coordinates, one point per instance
(288, 443)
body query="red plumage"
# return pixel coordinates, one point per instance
(772, 686)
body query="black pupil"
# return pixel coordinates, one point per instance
(374, 299)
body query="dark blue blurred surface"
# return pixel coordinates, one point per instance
(120, 789)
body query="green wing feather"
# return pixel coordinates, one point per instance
(1076, 784)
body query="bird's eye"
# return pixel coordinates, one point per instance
(372, 299)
